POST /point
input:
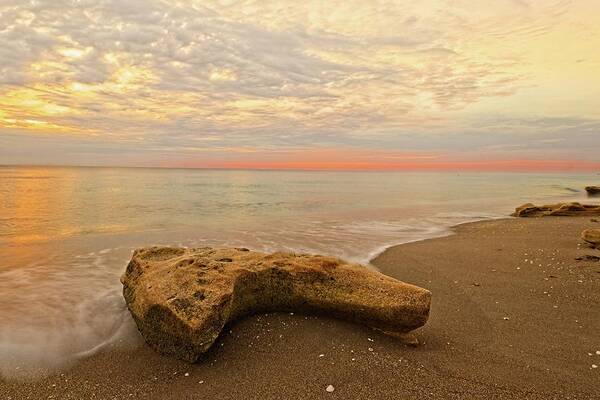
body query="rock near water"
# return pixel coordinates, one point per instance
(181, 299)
(593, 190)
(560, 209)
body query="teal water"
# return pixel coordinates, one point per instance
(66, 233)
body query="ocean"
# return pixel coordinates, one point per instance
(66, 234)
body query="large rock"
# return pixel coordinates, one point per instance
(593, 190)
(182, 298)
(592, 236)
(561, 209)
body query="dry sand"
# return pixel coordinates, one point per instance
(514, 316)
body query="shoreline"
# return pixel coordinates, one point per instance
(559, 244)
(478, 277)
(445, 232)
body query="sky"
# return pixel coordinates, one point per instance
(355, 84)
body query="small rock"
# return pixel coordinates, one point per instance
(593, 190)
(187, 374)
(594, 366)
(329, 389)
(370, 349)
(506, 318)
(591, 236)
(561, 209)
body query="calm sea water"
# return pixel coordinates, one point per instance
(66, 234)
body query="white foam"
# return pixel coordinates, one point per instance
(53, 315)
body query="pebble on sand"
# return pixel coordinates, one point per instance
(330, 388)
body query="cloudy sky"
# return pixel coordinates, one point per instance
(358, 84)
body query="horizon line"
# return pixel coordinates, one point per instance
(424, 168)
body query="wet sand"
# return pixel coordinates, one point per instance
(514, 316)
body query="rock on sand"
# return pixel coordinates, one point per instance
(182, 298)
(591, 236)
(560, 209)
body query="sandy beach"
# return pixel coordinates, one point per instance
(300, 200)
(514, 316)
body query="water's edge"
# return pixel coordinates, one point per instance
(445, 233)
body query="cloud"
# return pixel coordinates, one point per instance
(267, 74)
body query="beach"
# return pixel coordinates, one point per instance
(514, 316)
(300, 200)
